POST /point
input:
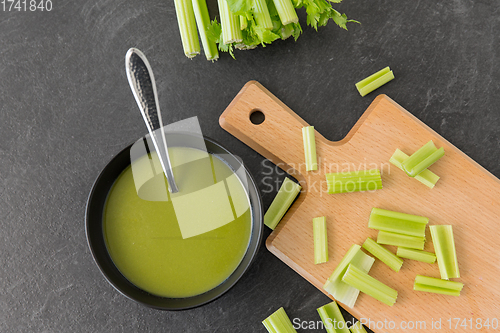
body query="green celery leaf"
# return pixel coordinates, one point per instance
(255, 34)
(320, 11)
(214, 31)
(240, 7)
(340, 19)
(297, 30)
(249, 38)
(227, 48)
(268, 37)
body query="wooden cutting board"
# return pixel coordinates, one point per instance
(466, 196)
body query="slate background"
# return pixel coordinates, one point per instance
(66, 109)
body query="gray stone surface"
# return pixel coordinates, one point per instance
(66, 109)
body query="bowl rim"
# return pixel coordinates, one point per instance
(252, 250)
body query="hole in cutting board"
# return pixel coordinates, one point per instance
(257, 117)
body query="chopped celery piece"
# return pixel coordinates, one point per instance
(309, 148)
(373, 77)
(286, 11)
(444, 246)
(374, 81)
(426, 177)
(418, 255)
(347, 182)
(439, 286)
(336, 287)
(231, 30)
(278, 322)
(187, 27)
(431, 289)
(430, 160)
(422, 153)
(357, 328)
(203, 21)
(332, 318)
(286, 194)
(391, 238)
(400, 223)
(320, 240)
(384, 255)
(423, 158)
(369, 285)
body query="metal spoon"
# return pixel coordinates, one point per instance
(142, 82)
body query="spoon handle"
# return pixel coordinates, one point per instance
(142, 82)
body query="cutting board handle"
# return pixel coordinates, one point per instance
(278, 138)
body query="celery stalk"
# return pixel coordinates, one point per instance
(423, 158)
(439, 286)
(336, 287)
(203, 21)
(320, 240)
(332, 318)
(309, 148)
(426, 177)
(364, 180)
(369, 285)
(261, 14)
(283, 200)
(391, 238)
(231, 30)
(278, 322)
(187, 27)
(243, 22)
(357, 328)
(401, 223)
(444, 246)
(418, 255)
(286, 11)
(384, 255)
(374, 81)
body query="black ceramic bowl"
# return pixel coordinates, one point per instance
(95, 237)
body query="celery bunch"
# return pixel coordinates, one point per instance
(245, 24)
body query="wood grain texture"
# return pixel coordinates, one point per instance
(466, 197)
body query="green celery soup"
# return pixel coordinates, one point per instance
(185, 243)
